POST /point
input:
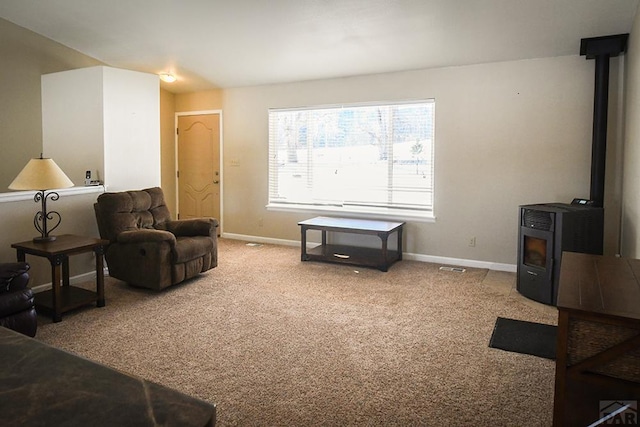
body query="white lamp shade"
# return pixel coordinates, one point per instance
(41, 174)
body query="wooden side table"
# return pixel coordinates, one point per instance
(598, 351)
(63, 297)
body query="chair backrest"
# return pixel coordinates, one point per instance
(130, 210)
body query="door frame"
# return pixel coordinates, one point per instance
(221, 154)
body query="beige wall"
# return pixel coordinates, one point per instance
(631, 185)
(507, 134)
(199, 101)
(26, 56)
(76, 210)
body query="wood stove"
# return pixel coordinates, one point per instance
(545, 231)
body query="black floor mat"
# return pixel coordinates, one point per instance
(524, 337)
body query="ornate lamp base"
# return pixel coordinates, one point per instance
(41, 239)
(41, 218)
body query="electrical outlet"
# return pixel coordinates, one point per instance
(472, 242)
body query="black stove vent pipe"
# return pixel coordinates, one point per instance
(601, 49)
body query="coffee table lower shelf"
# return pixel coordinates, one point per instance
(353, 255)
(71, 297)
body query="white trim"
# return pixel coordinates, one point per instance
(220, 154)
(512, 268)
(18, 196)
(355, 104)
(80, 278)
(362, 213)
(198, 112)
(258, 239)
(408, 256)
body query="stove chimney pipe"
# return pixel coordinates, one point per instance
(601, 49)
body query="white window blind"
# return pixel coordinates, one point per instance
(369, 158)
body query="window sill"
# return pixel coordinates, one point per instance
(395, 214)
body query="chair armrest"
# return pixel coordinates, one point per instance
(15, 302)
(193, 227)
(145, 236)
(13, 276)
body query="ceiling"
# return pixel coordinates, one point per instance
(228, 43)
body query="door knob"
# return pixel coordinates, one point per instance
(216, 182)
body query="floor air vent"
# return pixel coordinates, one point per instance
(454, 269)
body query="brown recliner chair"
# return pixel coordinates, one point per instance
(146, 247)
(17, 309)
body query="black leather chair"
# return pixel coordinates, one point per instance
(17, 307)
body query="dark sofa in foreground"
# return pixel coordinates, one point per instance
(17, 308)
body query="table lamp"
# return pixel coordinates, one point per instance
(42, 174)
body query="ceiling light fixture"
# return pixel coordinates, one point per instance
(168, 77)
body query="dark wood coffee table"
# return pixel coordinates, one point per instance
(369, 257)
(63, 297)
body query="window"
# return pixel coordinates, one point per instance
(355, 158)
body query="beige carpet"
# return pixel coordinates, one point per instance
(277, 342)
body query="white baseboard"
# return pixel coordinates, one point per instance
(80, 278)
(408, 256)
(461, 262)
(258, 239)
